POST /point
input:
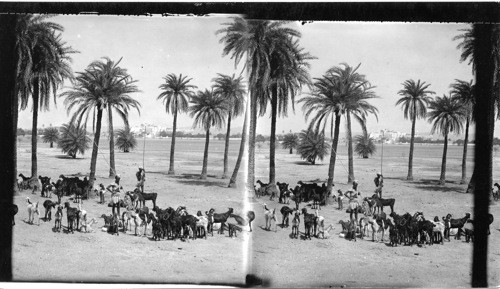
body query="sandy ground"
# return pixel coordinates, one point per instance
(39, 254)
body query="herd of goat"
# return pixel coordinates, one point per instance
(165, 223)
(177, 223)
(403, 229)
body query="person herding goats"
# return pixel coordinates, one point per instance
(114, 188)
(379, 184)
(141, 178)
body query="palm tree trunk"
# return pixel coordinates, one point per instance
(365, 134)
(171, 170)
(34, 132)
(8, 147)
(350, 177)
(412, 139)
(464, 157)
(226, 146)
(333, 154)
(51, 144)
(331, 128)
(272, 141)
(251, 142)
(483, 165)
(95, 148)
(291, 150)
(442, 179)
(232, 181)
(205, 156)
(112, 170)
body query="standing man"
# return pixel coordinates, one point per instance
(141, 178)
(379, 183)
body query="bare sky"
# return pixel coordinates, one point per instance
(153, 47)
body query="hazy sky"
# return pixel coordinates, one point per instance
(153, 47)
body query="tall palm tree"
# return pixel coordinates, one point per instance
(463, 92)
(312, 145)
(468, 48)
(289, 72)
(209, 110)
(355, 90)
(232, 89)
(446, 115)
(232, 180)
(414, 104)
(290, 141)
(93, 88)
(339, 91)
(175, 95)
(254, 40)
(121, 104)
(42, 69)
(50, 135)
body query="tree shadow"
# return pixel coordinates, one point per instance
(433, 185)
(194, 179)
(304, 163)
(66, 157)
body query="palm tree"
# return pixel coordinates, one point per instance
(289, 72)
(121, 104)
(101, 81)
(73, 140)
(340, 91)
(50, 135)
(463, 92)
(175, 95)
(365, 145)
(209, 110)
(232, 180)
(256, 40)
(312, 146)
(414, 104)
(232, 89)
(468, 48)
(290, 141)
(125, 140)
(42, 68)
(446, 115)
(355, 90)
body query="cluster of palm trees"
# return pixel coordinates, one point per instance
(209, 108)
(277, 69)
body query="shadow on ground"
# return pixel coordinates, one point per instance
(304, 163)
(433, 185)
(194, 179)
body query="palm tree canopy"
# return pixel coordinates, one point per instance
(340, 90)
(73, 139)
(50, 134)
(463, 92)
(43, 57)
(446, 115)
(233, 90)
(415, 98)
(365, 145)
(257, 39)
(125, 139)
(289, 72)
(208, 109)
(312, 145)
(176, 92)
(100, 85)
(290, 141)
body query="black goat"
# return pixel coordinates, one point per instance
(221, 218)
(283, 187)
(454, 223)
(285, 212)
(380, 203)
(44, 181)
(72, 215)
(49, 205)
(147, 197)
(309, 223)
